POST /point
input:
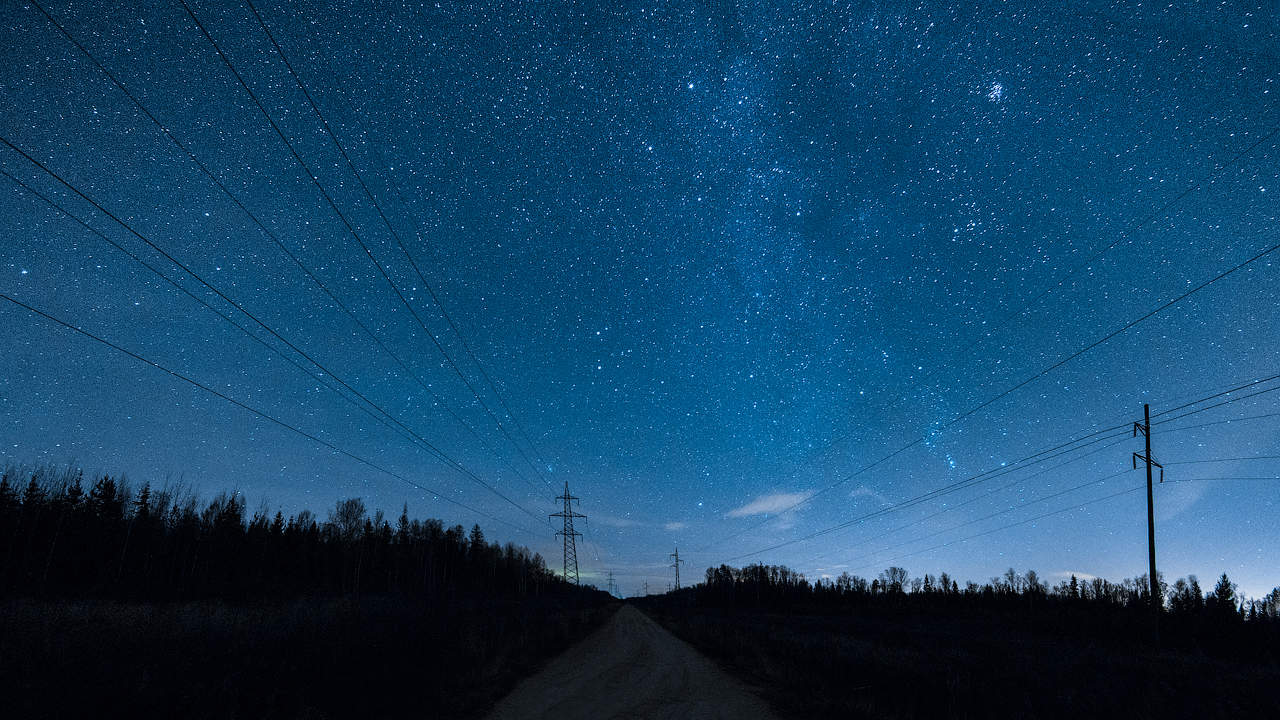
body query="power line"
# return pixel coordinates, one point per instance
(1005, 511)
(334, 206)
(920, 521)
(440, 454)
(1166, 305)
(957, 485)
(1222, 460)
(970, 481)
(417, 216)
(318, 377)
(1124, 437)
(1048, 497)
(255, 411)
(1097, 436)
(273, 237)
(1239, 477)
(1121, 235)
(1220, 404)
(1228, 391)
(1008, 527)
(400, 243)
(1227, 421)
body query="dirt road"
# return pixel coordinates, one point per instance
(630, 668)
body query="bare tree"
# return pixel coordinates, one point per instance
(893, 579)
(347, 518)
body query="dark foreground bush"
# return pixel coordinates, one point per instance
(321, 658)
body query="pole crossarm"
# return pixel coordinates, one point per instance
(1141, 456)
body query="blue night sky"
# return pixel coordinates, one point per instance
(710, 258)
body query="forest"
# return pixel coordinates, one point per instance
(161, 603)
(902, 646)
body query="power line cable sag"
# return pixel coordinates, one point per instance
(403, 249)
(318, 377)
(321, 378)
(1056, 512)
(1121, 439)
(998, 513)
(270, 234)
(992, 531)
(1019, 464)
(1222, 460)
(440, 454)
(1127, 326)
(346, 222)
(958, 484)
(255, 411)
(1227, 421)
(1238, 477)
(411, 210)
(1121, 235)
(1216, 395)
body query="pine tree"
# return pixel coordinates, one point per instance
(34, 496)
(8, 495)
(1224, 597)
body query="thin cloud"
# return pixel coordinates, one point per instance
(770, 504)
(864, 491)
(673, 526)
(1066, 574)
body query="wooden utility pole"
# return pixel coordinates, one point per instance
(1145, 428)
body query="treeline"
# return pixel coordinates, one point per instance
(895, 645)
(779, 586)
(160, 604)
(64, 537)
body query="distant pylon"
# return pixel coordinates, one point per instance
(675, 563)
(613, 589)
(569, 534)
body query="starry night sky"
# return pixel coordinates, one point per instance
(712, 257)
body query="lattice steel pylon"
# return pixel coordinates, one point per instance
(569, 534)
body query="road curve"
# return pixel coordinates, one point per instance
(630, 668)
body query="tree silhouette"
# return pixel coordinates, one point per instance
(56, 540)
(893, 580)
(1222, 601)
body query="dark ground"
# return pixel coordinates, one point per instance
(323, 658)
(895, 663)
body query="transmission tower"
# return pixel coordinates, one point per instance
(569, 534)
(613, 588)
(675, 563)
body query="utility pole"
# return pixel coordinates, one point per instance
(1145, 428)
(675, 556)
(569, 534)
